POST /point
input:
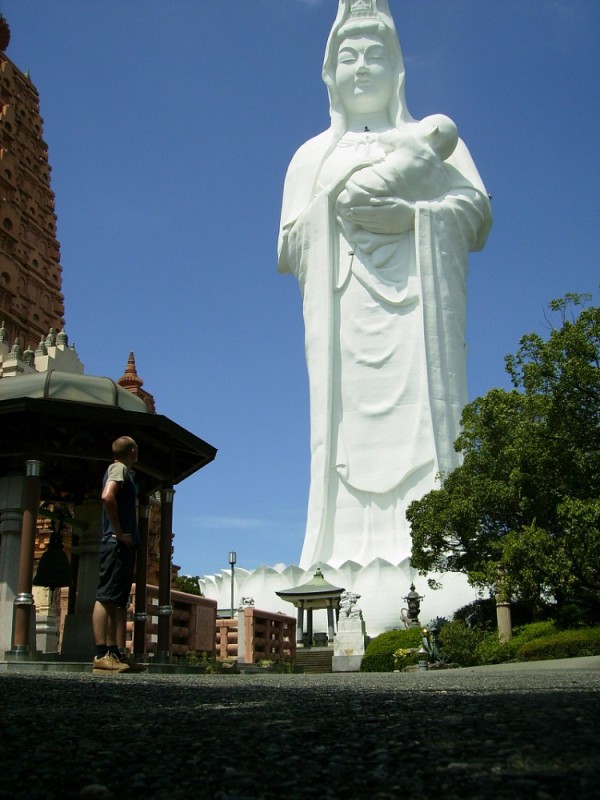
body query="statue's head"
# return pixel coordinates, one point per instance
(364, 26)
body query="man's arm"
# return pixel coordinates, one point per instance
(109, 500)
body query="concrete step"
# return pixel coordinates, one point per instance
(314, 659)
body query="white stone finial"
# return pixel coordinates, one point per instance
(29, 357)
(15, 350)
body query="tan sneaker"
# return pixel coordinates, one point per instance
(109, 663)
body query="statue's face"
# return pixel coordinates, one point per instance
(364, 74)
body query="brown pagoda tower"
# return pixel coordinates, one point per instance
(31, 301)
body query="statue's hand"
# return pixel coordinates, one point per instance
(387, 215)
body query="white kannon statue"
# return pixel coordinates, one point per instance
(379, 213)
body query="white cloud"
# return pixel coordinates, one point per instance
(228, 523)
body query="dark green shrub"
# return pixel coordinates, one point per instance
(535, 630)
(482, 613)
(478, 614)
(491, 651)
(458, 643)
(527, 613)
(379, 654)
(573, 615)
(565, 644)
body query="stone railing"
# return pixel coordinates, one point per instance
(263, 635)
(192, 622)
(227, 638)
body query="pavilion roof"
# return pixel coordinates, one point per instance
(73, 437)
(316, 587)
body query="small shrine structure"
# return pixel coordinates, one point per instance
(315, 594)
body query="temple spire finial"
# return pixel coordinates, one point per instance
(130, 377)
(131, 381)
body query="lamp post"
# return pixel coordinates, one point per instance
(232, 560)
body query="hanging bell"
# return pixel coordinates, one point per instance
(54, 569)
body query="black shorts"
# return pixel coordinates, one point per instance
(116, 572)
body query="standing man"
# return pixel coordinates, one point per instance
(117, 557)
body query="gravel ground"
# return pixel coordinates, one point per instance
(482, 733)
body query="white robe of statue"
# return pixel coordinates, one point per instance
(384, 301)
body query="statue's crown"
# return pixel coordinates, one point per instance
(362, 8)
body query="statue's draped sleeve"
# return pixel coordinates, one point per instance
(298, 192)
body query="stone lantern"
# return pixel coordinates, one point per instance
(410, 615)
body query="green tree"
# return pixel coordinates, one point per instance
(521, 515)
(188, 583)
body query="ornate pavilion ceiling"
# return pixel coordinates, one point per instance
(73, 440)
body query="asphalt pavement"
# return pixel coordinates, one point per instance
(511, 731)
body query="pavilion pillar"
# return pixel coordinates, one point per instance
(165, 610)
(77, 642)
(309, 627)
(23, 616)
(330, 625)
(300, 626)
(47, 635)
(140, 616)
(11, 494)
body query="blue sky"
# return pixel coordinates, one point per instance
(170, 127)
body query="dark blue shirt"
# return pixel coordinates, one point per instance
(126, 502)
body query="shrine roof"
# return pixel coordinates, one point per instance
(317, 586)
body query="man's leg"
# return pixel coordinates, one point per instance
(100, 623)
(121, 627)
(112, 633)
(104, 623)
